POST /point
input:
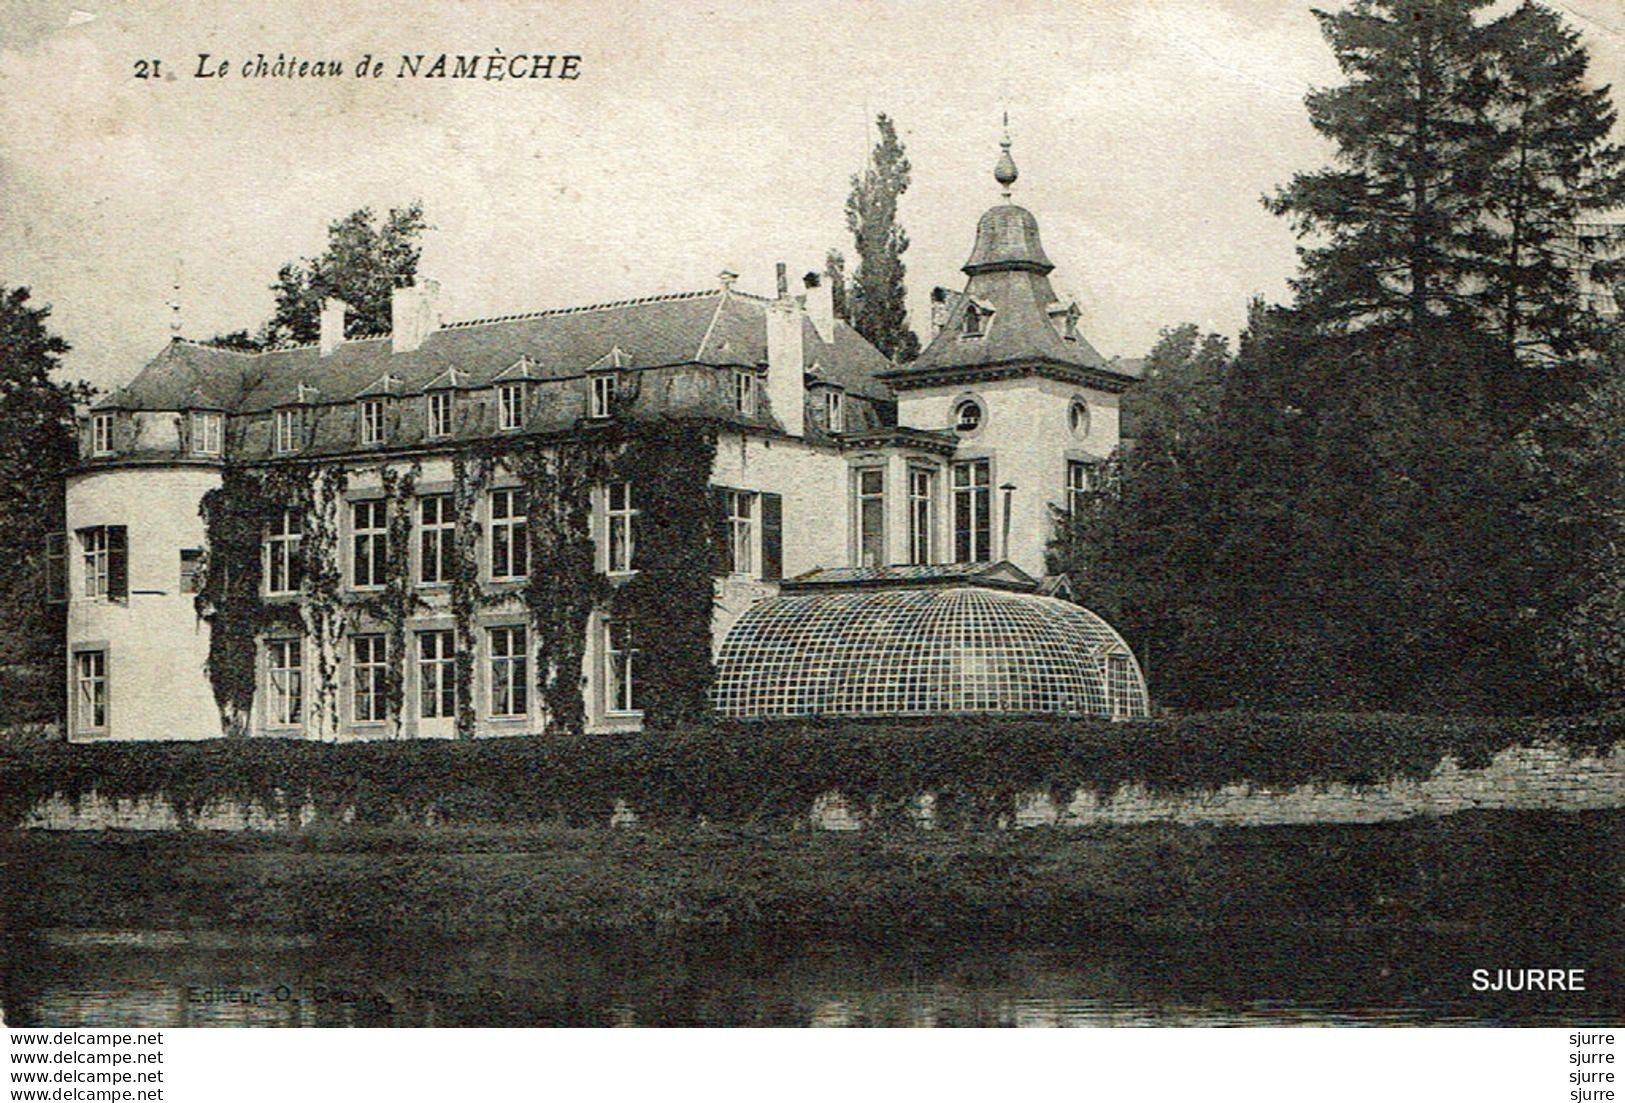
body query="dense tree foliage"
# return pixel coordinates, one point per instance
(1402, 491)
(875, 298)
(38, 445)
(365, 260)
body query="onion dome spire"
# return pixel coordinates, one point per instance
(1007, 235)
(1005, 171)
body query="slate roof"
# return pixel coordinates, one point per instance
(706, 327)
(1009, 272)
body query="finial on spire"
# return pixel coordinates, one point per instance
(174, 304)
(1005, 171)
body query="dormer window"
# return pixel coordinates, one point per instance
(440, 413)
(206, 432)
(745, 393)
(975, 320)
(1065, 320)
(835, 411)
(372, 421)
(101, 435)
(603, 396)
(287, 430)
(511, 406)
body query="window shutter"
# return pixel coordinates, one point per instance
(118, 563)
(772, 537)
(721, 532)
(56, 567)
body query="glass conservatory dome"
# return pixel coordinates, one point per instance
(924, 651)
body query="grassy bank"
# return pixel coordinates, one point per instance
(770, 774)
(1533, 869)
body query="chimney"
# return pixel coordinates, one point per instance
(786, 363)
(939, 309)
(332, 325)
(820, 306)
(413, 315)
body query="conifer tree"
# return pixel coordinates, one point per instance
(876, 297)
(1553, 166)
(1396, 218)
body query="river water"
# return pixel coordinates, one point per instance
(221, 978)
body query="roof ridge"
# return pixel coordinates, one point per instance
(195, 343)
(469, 323)
(613, 304)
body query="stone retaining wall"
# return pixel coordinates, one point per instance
(1528, 778)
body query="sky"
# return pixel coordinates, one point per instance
(699, 137)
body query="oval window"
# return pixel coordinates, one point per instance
(967, 415)
(1078, 417)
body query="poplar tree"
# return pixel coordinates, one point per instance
(876, 297)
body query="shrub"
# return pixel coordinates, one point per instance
(771, 773)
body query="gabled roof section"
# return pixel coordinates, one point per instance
(385, 386)
(998, 576)
(450, 379)
(613, 360)
(521, 369)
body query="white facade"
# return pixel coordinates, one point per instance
(152, 644)
(860, 464)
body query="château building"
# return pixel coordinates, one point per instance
(879, 530)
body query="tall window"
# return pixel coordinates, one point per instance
(440, 413)
(93, 545)
(603, 396)
(284, 566)
(437, 545)
(101, 434)
(367, 672)
(511, 406)
(508, 665)
(104, 551)
(206, 432)
(745, 393)
(619, 513)
(619, 656)
(283, 660)
(372, 421)
(835, 411)
(973, 530)
(869, 508)
(510, 551)
(437, 675)
(922, 508)
(741, 531)
(90, 674)
(369, 542)
(1080, 483)
(287, 430)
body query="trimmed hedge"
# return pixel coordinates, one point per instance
(772, 773)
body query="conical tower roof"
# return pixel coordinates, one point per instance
(1020, 326)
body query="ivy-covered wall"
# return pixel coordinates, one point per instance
(668, 601)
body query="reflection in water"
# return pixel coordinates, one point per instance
(167, 978)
